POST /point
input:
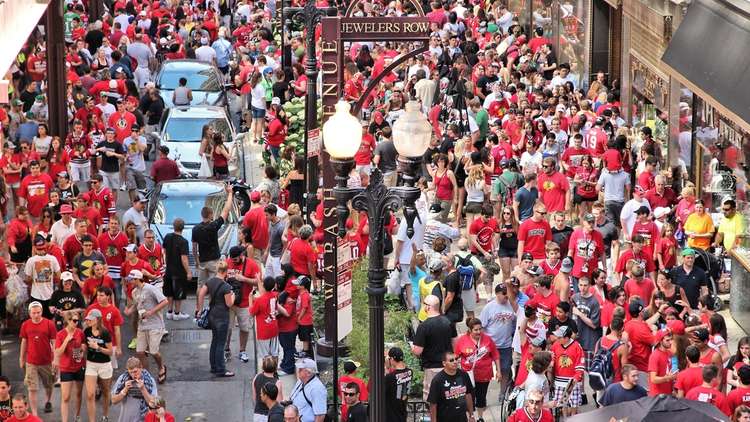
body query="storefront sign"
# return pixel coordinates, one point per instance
(649, 83)
(385, 28)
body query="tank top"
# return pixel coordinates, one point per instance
(181, 96)
(219, 159)
(258, 383)
(444, 187)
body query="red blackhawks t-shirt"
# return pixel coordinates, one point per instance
(483, 230)
(38, 337)
(36, 189)
(709, 395)
(535, 235)
(72, 358)
(553, 189)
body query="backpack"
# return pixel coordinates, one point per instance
(465, 272)
(601, 370)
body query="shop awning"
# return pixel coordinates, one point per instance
(709, 55)
(18, 18)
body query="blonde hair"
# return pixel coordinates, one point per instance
(476, 175)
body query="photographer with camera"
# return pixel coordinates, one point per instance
(135, 389)
(243, 274)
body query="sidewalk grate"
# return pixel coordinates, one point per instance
(189, 336)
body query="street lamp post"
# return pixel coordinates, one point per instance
(310, 16)
(342, 136)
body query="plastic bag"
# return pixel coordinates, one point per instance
(17, 291)
(205, 170)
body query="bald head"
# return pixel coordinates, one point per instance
(463, 244)
(432, 301)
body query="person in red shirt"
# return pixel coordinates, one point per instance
(660, 195)
(35, 357)
(639, 286)
(152, 252)
(483, 234)
(302, 256)
(11, 165)
(569, 365)
(692, 376)
(73, 245)
(35, 189)
(532, 410)
(534, 233)
(121, 121)
(554, 189)
(164, 168)
(264, 309)
(707, 392)
(111, 318)
(18, 236)
(646, 178)
(98, 279)
(350, 367)
(363, 156)
(112, 244)
(304, 313)
(661, 374)
(101, 198)
(572, 156)
(635, 253)
(132, 262)
(246, 271)
(157, 411)
(255, 219)
(648, 230)
(69, 352)
(586, 247)
(740, 395)
(21, 410)
(545, 300)
(641, 340)
(92, 217)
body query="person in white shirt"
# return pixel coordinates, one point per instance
(627, 215)
(531, 159)
(205, 52)
(63, 227)
(105, 106)
(419, 64)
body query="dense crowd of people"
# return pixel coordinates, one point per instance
(548, 225)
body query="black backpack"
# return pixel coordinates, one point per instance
(601, 370)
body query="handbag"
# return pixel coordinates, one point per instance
(202, 319)
(205, 170)
(286, 257)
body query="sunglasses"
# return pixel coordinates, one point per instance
(348, 394)
(75, 321)
(542, 212)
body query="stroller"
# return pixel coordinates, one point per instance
(713, 266)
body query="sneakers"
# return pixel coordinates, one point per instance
(124, 187)
(227, 355)
(48, 407)
(132, 344)
(179, 316)
(104, 419)
(170, 315)
(244, 357)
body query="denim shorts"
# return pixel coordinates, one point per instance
(258, 113)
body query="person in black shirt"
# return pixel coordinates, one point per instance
(109, 153)
(268, 394)
(280, 88)
(484, 83)
(357, 410)
(6, 407)
(397, 385)
(177, 269)
(690, 278)
(451, 393)
(562, 317)
(66, 299)
(453, 305)
(205, 238)
(432, 340)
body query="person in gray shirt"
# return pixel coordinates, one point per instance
(148, 302)
(385, 157)
(143, 54)
(616, 185)
(277, 242)
(499, 321)
(587, 313)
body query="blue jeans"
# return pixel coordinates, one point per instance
(287, 345)
(275, 152)
(219, 332)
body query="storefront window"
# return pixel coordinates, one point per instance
(520, 9)
(574, 44)
(681, 145)
(543, 17)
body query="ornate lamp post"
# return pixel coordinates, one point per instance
(342, 135)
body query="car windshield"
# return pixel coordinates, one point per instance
(189, 208)
(201, 80)
(190, 129)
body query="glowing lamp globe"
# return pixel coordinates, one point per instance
(412, 132)
(342, 133)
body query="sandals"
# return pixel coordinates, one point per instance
(162, 375)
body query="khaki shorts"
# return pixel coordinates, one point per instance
(99, 370)
(206, 271)
(243, 318)
(34, 372)
(149, 340)
(429, 374)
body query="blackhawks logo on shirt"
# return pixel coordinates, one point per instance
(111, 251)
(565, 361)
(154, 262)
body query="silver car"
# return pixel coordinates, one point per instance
(185, 198)
(204, 80)
(181, 132)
